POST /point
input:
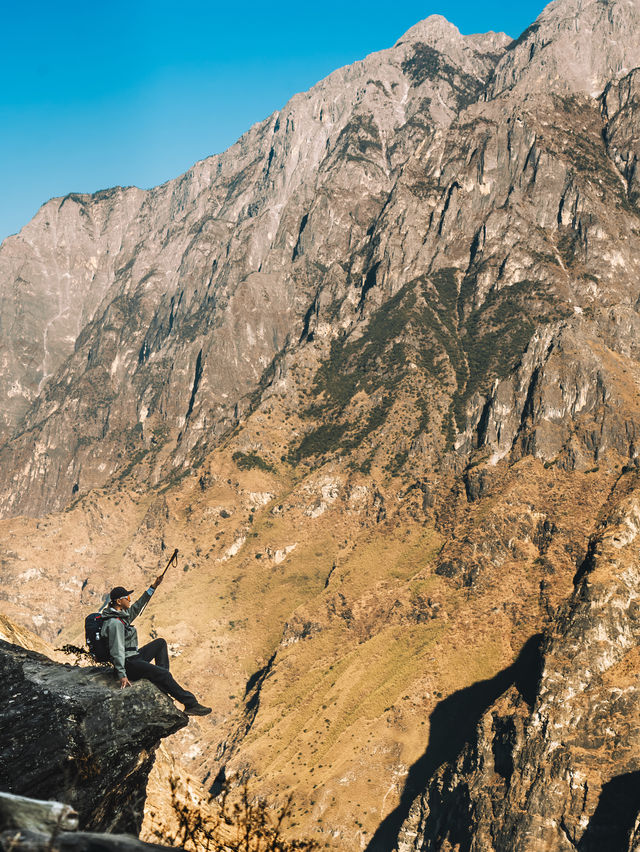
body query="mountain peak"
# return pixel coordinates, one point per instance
(573, 46)
(438, 32)
(430, 31)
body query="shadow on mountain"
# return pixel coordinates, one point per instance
(614, 818)
(452, 725)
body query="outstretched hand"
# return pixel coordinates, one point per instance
(157, 581)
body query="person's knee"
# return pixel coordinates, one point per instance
(161, 676)
(162, 654)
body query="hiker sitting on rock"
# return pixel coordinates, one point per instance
(133, 663)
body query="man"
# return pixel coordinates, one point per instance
(133, 663)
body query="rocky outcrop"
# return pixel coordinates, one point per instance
(561, 404)
(69, 733)
(557, 767)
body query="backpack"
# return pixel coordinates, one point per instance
(98, 646)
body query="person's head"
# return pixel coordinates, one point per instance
(120, 597)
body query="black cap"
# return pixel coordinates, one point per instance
(119, 592)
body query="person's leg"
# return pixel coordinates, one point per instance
(137, 668)
(156, 650)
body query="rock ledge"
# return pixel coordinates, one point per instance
(70, 734)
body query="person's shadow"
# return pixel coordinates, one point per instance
(452, 725)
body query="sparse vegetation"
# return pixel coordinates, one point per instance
(233, 821)
(374, 364)
(397, 462)
(433, 324)
(497, 333)
(361, 364)
(427, 63)
(247, 461)
(322, 440)
(80, 655)
(360, 139)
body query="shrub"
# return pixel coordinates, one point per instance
(246, 461)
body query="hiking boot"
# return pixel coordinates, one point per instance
(197, 710)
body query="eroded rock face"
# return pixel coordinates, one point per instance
(54, 276)
(69, 733)
(557, 768)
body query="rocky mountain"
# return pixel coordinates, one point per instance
(374, 370)
(159, 321)
(573, 46)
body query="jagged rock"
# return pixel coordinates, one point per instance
(64, 261)
(619, 104)
(70, 733)
(557, 768)
(573, 46)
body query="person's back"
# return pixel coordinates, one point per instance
(121, 635)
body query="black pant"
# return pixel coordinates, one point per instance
(140, 666)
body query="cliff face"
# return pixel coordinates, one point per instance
(400, 188)
(554, 763)
(573, 46)
(158, 320)
(69, 733)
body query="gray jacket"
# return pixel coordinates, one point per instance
(119, 632)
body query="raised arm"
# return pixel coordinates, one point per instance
(136, 608)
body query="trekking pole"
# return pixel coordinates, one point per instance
(172, 560)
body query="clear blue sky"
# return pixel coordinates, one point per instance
(99, 94)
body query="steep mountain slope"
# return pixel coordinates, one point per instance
(212, 273)
(374, 371)
(573, 46)
(323, 618)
